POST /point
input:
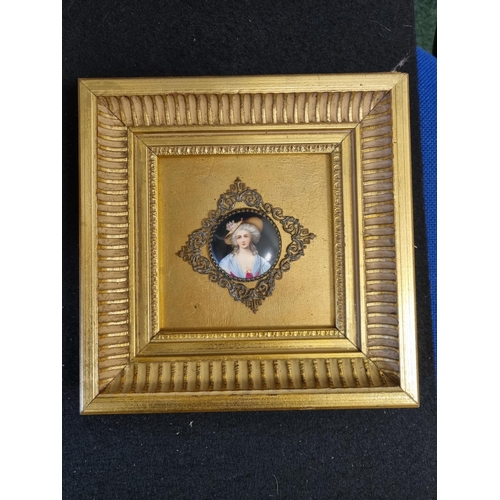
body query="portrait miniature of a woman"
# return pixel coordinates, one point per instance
(244, 261)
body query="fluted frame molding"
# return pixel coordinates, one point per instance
(370, 361)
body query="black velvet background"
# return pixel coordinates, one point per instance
(372, 454)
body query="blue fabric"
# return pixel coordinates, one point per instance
(427, 91)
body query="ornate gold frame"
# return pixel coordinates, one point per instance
(143, 140)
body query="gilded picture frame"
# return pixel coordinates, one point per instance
(324, 160)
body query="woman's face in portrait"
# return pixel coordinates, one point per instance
(254, 234)
(243, 238)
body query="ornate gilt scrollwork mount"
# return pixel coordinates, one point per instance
(252, 297)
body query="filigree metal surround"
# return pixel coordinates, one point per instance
(250, 297)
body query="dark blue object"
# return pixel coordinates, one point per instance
(427, 91)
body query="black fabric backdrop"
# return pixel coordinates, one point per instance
(386, 454)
